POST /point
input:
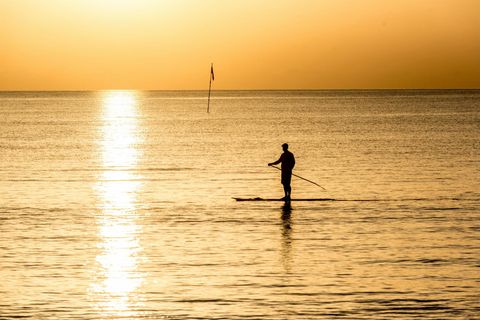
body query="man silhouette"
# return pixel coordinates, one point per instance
(288, 162)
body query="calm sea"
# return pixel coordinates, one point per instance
(118, 205)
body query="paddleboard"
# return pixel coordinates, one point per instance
(274, 199)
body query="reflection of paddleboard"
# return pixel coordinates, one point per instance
(271, 199)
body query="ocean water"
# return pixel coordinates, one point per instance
(118, 205)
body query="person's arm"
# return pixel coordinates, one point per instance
(276, 162)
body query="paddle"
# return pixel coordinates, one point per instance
(293, 174)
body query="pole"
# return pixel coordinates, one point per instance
(209, 88)
(293, 174)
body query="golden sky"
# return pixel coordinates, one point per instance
(254, 44)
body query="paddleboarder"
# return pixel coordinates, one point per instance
(288, 162)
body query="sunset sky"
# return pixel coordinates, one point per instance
(254, 44)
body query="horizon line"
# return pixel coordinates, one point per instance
(224, 90)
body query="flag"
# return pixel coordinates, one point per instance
(211, 72)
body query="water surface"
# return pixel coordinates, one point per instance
(118, 205)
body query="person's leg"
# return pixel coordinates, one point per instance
(286, 180)
(288, 191)
(288, 187)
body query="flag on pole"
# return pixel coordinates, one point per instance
(212, 77)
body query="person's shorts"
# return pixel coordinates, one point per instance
(286, 177)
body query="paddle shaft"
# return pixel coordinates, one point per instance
(293, 174)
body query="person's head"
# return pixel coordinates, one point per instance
(285, 147)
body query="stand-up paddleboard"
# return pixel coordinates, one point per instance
(275, 199)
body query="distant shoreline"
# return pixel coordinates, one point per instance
(252, 90)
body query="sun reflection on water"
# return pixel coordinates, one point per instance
(118, 278)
